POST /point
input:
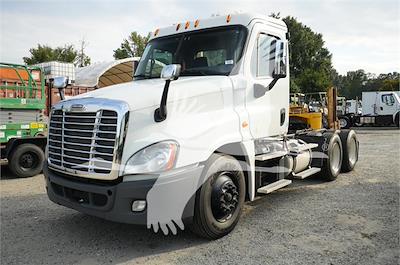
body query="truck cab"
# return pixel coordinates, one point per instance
(201, 128)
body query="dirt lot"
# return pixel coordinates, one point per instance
(354, 220)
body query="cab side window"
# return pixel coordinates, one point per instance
(263, 62)
(388, 99)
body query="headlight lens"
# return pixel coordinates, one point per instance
(154, 158)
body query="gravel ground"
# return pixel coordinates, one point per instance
(354, 220)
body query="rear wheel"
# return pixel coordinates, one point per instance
(26, 160)
(220, 200)
(333, 163)
(350, 150)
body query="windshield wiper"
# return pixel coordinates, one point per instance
(142, 76)
(190, 72)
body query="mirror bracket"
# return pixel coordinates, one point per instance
(169, 73)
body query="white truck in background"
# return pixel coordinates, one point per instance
(381, 108)
(202, 129)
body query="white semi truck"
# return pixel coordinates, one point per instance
(201, 129)
(380, 108)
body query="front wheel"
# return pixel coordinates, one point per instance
(220, 200)
(344, 122)
(26, 160)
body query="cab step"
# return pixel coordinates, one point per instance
(306, 173)
(303, 147)
(274, 186)
(268, 156)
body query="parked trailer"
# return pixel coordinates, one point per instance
(218, 137)
(381, 108)
(22, 120)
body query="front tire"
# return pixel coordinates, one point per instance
(344, 122)
(26, 160)
(220, 200)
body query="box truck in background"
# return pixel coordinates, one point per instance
(381, 108)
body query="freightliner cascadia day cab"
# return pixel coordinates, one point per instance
(201, 129)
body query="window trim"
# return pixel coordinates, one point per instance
(255, 75)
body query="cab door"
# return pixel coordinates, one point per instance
(387, 104)
(267, 96)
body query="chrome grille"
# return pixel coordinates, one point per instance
(82, 142)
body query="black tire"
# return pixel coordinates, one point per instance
(344, 122)
(332, 164)
(208, 220)
(350, 146)
(26, 160)
(397, 120)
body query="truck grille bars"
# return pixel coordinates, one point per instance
(82, 142)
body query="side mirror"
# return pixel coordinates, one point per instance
(280, 60)
(171, 72)
(60, 83)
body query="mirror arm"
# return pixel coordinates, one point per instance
(61, 92)
(273, 82)
(160, 114)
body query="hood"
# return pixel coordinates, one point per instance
(145, 93)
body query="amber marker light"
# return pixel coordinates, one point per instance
(187, 25)
(196, 23)
(156, 32)
(228, 18)
(178, 26)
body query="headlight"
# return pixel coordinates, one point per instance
(153, 158)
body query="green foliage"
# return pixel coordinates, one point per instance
(132, 47)
(310, 61)
(44, 53)
(354, 83)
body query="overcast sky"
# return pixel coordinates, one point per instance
(359, 34)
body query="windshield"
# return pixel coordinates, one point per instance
(205, 52)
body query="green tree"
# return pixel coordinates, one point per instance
(310, 62)
(133, 46)
(45, 53)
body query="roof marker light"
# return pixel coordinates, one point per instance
(187, 25)
(156, 32)
(196, 23)
(178, 26)
(228, 18)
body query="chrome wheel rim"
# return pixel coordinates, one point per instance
(335, 158)
(352, 151)
(343, 123)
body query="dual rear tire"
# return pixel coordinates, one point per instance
(341, 152)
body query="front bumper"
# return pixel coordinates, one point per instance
(112, 202)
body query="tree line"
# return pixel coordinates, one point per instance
(311, 68)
